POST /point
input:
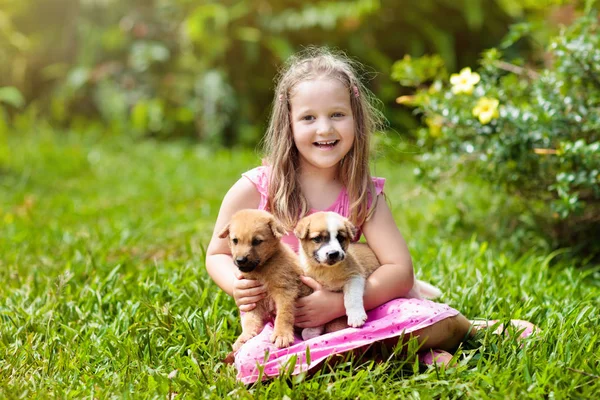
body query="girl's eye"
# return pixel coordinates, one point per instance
(308, 118)
(338, 115)
(234, 240)
(317, 239)
(256, 242)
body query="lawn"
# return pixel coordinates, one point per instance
(105, 294)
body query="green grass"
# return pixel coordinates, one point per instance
(104, 293)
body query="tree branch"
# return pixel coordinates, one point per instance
(516, 69)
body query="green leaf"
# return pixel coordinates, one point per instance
(78, 77)
(139, 116)
(248, 34)
(12, 96)
(415, 71)
(474, 14)
(516, 33)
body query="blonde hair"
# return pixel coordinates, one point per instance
(285, 199)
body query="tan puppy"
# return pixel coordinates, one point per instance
(258, 253)
(328, 256)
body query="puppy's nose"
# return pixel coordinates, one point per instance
(333, 255)
(241, 261)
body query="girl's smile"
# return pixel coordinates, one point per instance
(326, 145)
(322, 122)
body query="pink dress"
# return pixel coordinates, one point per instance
(386, 321)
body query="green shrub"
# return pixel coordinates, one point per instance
(534, 131)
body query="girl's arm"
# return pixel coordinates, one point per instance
(219, 264)
(393, 279)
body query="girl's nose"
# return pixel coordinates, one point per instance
(324, 126)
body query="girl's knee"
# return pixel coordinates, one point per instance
(445, 334)
(458, 329)
(460, 326)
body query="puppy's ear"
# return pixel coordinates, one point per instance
(224, 232)
(301, 229)
(278, 229)
(350, 229)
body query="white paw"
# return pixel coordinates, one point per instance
(310, 333)
(356, 318)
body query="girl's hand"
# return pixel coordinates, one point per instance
(319, 307)
(247, 292)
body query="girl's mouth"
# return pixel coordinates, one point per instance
(326, 144)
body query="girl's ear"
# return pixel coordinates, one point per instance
(224, 232)
(302, 228)
(350, 229)
(277, 228)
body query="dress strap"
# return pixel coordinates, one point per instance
(259, 176)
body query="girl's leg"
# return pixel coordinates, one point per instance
(437, 356)
(446, 334)
(450, 332)
(436, 340)
(525, 328)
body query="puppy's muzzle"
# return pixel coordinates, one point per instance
(334, 257)
(244, 264)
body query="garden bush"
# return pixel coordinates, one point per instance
(531, 127)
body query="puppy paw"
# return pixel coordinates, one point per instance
(282, 339)
(357, 318)
(311, 333)
(243, 338)
(236, 346)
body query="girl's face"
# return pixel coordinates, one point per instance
(322, 122)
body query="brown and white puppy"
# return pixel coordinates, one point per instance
(328, 255)
(259, 254)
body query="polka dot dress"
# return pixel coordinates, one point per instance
(384, 322)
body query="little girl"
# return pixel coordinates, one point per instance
(317, 148)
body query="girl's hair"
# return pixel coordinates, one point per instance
(285, 199)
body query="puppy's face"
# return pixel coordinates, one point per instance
(253, 238)
(325, 236)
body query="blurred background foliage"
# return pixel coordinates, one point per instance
(204, 69)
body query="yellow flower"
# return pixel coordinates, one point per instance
(486, 110)
(465, 81)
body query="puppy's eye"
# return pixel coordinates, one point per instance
(340, 238)
(256, 242)
(317, 239)
(234, 240)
